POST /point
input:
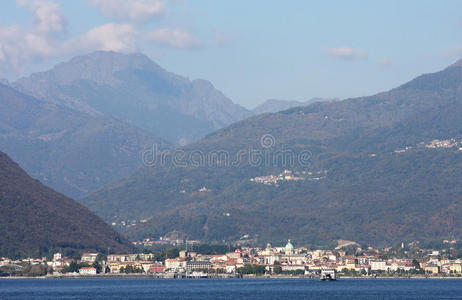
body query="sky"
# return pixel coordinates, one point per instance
(250, 50)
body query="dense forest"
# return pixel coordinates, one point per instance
(36, 221)
(382, 180)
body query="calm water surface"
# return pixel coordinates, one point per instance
(108, 288)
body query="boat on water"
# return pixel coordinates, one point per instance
(328, 275)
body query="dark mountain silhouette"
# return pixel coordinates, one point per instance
(35, 220)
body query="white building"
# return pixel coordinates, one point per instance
(175, 264)
(121, 257)
(289, 249)
(89, 257)
(270, 259)
(87, 271)
(57, 256)
(378, 265)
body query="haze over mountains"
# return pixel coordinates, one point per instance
(136, 90)
(374, 169)
(35, 220)
(275, 105)
(90, 118)
(380, 169)
(71, 151)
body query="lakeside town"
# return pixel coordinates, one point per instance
(214, 261)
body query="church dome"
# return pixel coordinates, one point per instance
(289, 246)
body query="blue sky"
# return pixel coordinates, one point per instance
(250, 50)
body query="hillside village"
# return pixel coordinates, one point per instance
(288, 175)
(348, 260)
(434, 144)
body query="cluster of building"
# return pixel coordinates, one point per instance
(288, 175)
(450, 143)
(274, 260)
(166, 240)
(434, 144)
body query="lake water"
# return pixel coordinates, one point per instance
(108, 288)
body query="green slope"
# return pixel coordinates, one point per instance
(35, 220)
(372, 191)
(72, 152)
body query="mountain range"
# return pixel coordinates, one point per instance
(377, 169)
(35, 220)
(275, 105)
(71, 151)
(134, 89)
(85, 122)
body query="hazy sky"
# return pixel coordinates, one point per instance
(250, 50)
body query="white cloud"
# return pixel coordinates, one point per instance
(114, 37)
(176, 38)
(18, 47)
(11, 46)
(48, 18)
(130, 10)
(347, 53)
(45, 38)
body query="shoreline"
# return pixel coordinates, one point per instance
(146, 276)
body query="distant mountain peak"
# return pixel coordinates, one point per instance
(275, 105)
(457, 63)
(136, 59)
(136, 90)
(99, 67)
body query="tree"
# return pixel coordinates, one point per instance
(97, 266)
(172, 253)
(252, 269)
(101, 257)
(416, 264)
(72, 268)
(129, 269)
(277, 269)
